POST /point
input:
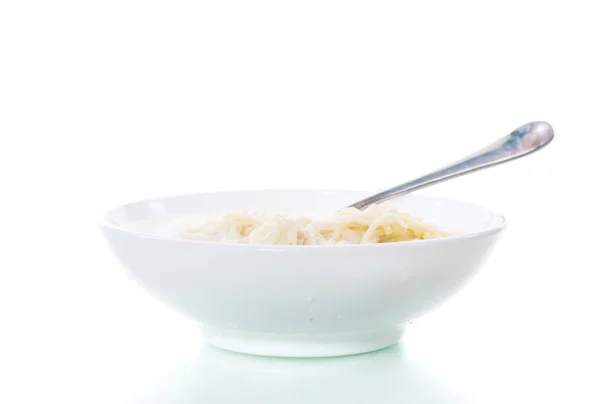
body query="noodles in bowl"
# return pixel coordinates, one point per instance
(376, 224)
(296, 300)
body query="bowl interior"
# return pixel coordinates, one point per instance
(170, 216)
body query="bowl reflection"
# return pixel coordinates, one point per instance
(217, 376)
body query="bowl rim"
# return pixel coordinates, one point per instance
(108, 226)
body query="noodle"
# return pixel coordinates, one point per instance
(376, 224)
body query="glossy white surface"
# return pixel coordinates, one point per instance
(301, 301)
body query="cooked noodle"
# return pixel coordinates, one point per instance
(376, 224)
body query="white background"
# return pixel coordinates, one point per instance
(107, 102)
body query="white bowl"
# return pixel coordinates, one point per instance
(299, 301)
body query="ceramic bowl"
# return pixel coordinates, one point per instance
(299, 301)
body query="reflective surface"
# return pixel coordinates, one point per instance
(520, 142)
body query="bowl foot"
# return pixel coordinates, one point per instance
(302, 345)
